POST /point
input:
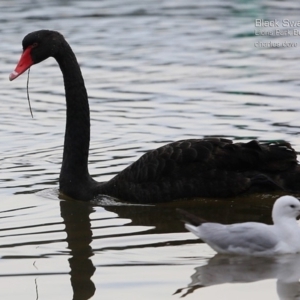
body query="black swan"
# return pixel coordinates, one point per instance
(209, 167)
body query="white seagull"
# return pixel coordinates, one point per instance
(252, 238)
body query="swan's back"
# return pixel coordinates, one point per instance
(202, 168)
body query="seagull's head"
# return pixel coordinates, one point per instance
(286, 207)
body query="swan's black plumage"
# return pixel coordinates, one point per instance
(184, 169)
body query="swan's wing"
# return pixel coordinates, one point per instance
(189, 157)
(214, 153)
(245, 237)
(200, 168)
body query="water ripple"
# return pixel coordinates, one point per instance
(155, 71)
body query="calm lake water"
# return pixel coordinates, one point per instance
(156, 71)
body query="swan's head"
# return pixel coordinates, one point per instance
(286, 207)
(37, 46)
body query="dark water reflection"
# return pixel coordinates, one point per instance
(78, 220)
(76, 217)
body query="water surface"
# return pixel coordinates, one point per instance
(156, 71)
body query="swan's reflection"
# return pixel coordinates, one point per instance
(76, 216)
(239, 269)
(163, 218)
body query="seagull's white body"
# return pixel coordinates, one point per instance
(253, 238)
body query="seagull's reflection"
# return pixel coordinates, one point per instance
(76, 216)
(242, 269)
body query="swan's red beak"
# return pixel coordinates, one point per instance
(25, 63)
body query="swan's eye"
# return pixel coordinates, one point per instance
(34, 45)
(292, 206)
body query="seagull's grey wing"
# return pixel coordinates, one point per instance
(253, 237)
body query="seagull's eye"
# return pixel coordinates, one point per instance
(292, 206)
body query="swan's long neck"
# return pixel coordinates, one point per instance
(74, 170)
